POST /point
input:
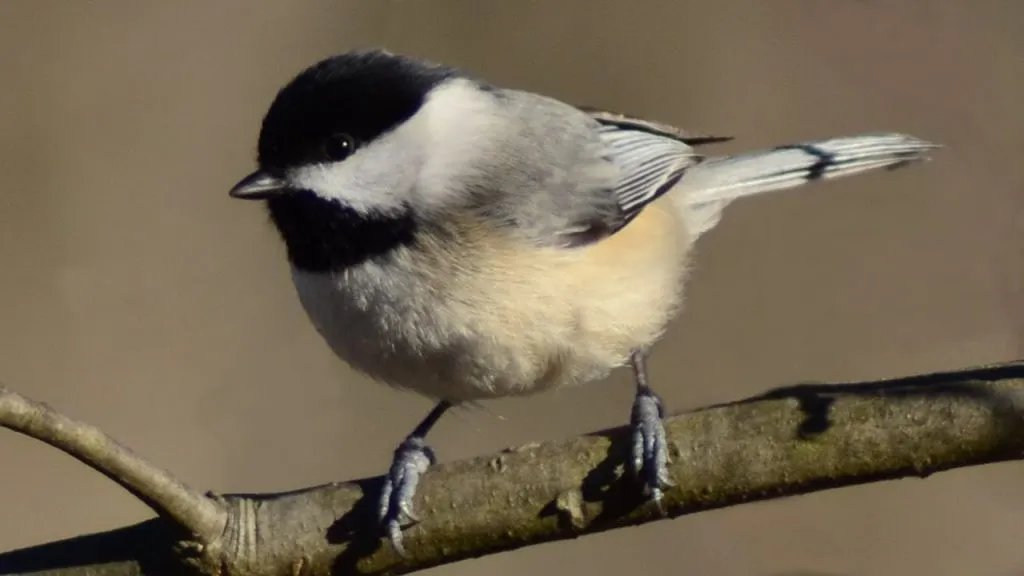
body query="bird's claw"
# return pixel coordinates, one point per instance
(395, 510)
(649, 450)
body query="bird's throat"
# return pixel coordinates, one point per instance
(326, 236)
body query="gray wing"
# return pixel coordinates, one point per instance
(569, 176)
(651, 156)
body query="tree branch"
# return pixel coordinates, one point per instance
(789, 441)
(164, 494)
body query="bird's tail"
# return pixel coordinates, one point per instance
(706, 188)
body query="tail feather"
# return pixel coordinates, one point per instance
(751, 173)
(708, 187)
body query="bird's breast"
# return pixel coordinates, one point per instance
(471, 315)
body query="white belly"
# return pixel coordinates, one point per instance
(478, 317)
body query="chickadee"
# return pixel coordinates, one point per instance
(467, 241)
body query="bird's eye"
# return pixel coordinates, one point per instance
(339, 146)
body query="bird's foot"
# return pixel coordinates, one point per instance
(649, 450)
(395, 510)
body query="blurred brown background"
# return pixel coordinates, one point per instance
(137, 296)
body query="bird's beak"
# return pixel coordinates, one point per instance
(258, 186)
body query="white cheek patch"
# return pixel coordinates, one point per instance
(425, 162)
(459, 127)
(377, 179)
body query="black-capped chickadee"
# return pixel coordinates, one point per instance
(467, 241)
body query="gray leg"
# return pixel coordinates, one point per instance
(412, 458)
(649, 451)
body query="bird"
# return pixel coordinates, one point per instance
(468, 241)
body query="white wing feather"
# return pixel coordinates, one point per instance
(650, 165)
